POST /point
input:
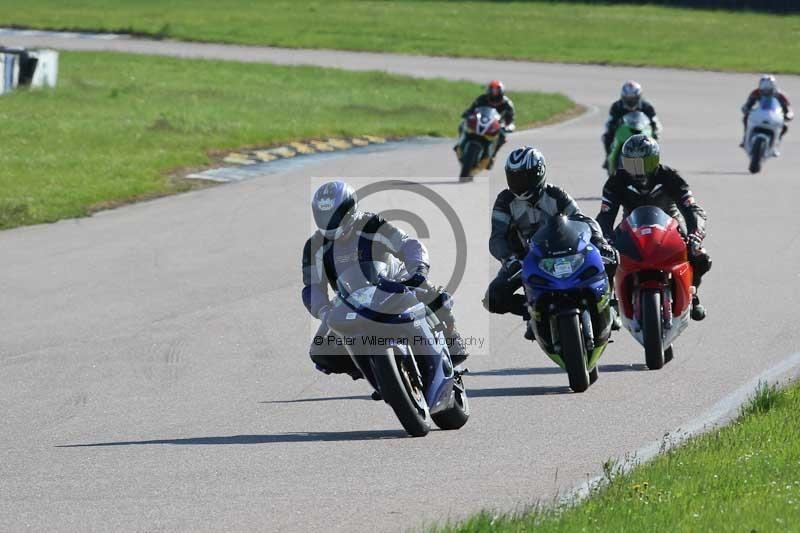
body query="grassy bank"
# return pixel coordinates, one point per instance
(744, 477)
(550, 31)
(118, 124)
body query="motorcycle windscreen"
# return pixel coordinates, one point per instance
(648, 215)
(561, 236)
(359, 275)
(769, 103)
(636, 120)
(357, 285)
(489, 112)
(487, 117)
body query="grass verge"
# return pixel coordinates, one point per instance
(743, 477)
(119, 124)
(548, 31)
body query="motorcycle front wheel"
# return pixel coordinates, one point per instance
(573, 352)
(456, 416)
(757, 155)
(472, 154)
(651, 329)
(400, 388)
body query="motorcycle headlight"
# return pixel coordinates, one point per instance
(561, 267)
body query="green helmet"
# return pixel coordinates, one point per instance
(640, 157)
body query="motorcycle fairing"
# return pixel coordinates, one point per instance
(585, 290)
(363, 312)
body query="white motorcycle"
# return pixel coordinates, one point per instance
(764, 127)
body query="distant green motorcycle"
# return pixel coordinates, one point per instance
(633, 123)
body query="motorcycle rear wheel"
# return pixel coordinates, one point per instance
(398, 389)
(573, 352)
(651, 328)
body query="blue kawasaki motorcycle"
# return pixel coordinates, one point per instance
(397, 346)
(568, 298)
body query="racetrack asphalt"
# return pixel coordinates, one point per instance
(153, 358)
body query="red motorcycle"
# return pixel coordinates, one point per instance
(480, 133)
(653, 282)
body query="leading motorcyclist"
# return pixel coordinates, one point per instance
(519, 211)
(346, 235)
(495, 96)
(767, 87)
(630, 100)
(643, 180)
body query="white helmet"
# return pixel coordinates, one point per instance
(766, 85)
(631, 94)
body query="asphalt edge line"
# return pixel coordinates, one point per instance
(720, 414)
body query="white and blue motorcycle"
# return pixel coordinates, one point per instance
(764, 127)
(390, 337)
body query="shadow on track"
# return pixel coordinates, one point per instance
(320, 399)
(517, 391)
(544, 370)
(454, 181)
(722, 172)
(634, 367)
(517, 371)
(322, 436)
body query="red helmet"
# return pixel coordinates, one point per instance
(495, 91)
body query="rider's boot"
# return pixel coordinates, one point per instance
(458, 348)
(616, 321)
(698, 311)
(529, 333)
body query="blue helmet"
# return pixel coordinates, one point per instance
(334, 206)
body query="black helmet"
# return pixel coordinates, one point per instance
(641, 156)
(525, 172)
(334, 206)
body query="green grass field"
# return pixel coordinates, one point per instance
(743, 477)
(548, 31)
(119, 124)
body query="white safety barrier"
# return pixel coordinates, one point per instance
(46, 71)
(32, 68)
(9, 72)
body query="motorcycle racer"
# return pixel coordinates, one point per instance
(495, 96)
(630, 100)
(644, 181)
(767, 87)
(346, 235)
(519, 211)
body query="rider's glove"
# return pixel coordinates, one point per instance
(510, 127)
(789, 115)
(512, 265)
(388, 285)
(415, 281)
(608, 253)
(695, 242)
(322, 314)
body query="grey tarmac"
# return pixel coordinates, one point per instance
(153, 359)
